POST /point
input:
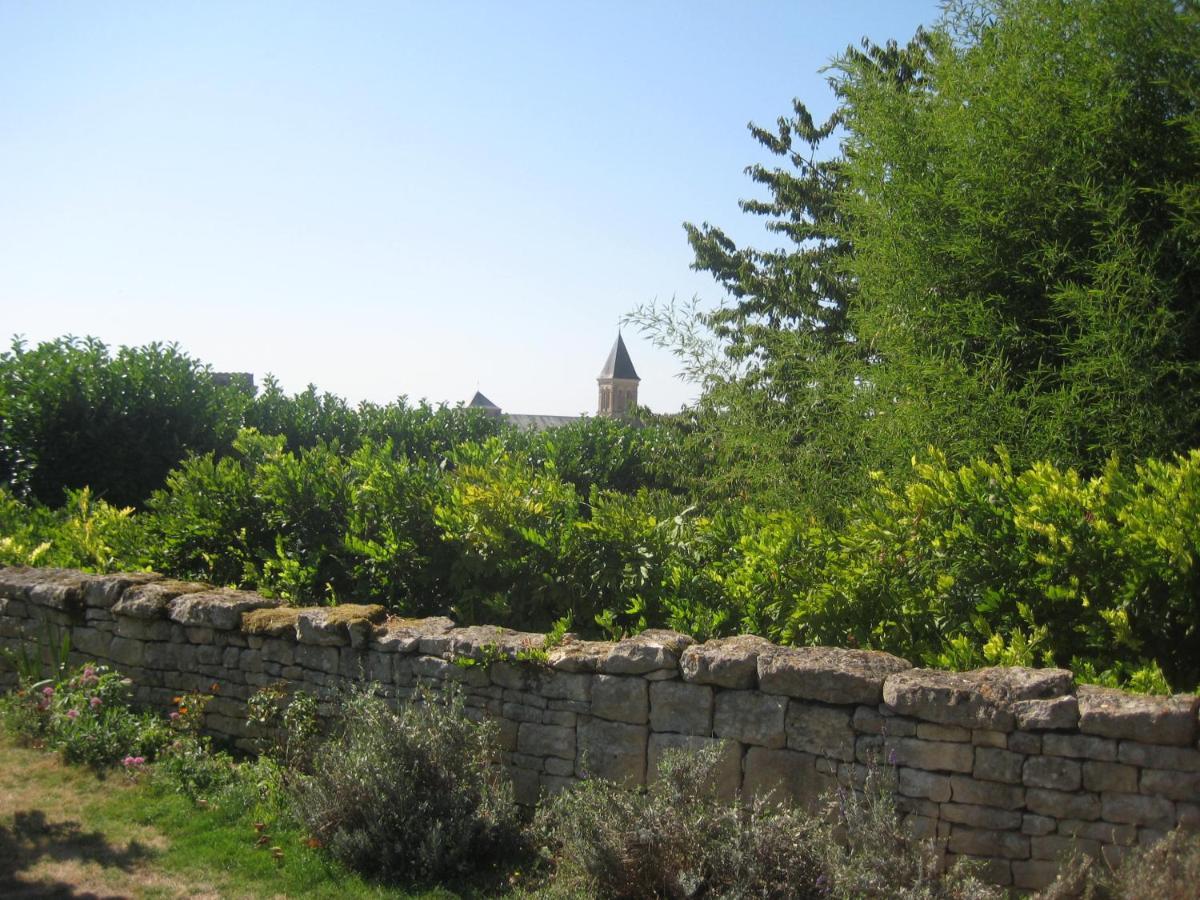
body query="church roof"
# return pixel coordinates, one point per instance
(481, 402)
(618, 364)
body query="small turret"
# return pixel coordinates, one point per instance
(490, 409)
(618, 383)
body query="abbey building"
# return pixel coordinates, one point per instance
(618, 389)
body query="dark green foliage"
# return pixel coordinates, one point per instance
(72, 415)
(410, 795)
(1003, 248)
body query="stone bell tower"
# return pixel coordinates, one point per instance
(618, 383)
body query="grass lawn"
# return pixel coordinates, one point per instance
(66, 832)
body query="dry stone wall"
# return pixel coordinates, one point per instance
(1014, 767)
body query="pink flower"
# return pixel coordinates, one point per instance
(133, 762)
(47, 691)
(72, 713)
(173, 716)
(95, 702)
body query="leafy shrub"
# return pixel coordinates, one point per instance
(1169, 870)
(72, 415)
(409, 795)
(84, 533)
(676, 839)
(86, 717)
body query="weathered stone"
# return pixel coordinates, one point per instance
(1037, 825)
(992, 764)
(1061, 847)
(1060, 805)
(220, 610)
(1187, 816)
(926, 785)
(92, 643)
(951, 698)
(1025, 742)
(983, 842)
(277, 622)
(57, 589)
(563, 768)
(565, 686)
(1137, 809)
(929, 755)
(579, 656)
(486, 643)
(680, 707)
(518, 712)
(1080, 746)
(620, 698)
(827, 674)
(1170, 784)
(1142, 717)
(965, 789)
(318, 658)
(127, 652)
(546, 740)
(526, 785)
(612, 750)
(400, 635)
(750, 717)
(1105, 832)
(1057, 712)
(559, 717)
(930, 731)
(142, 629)
(785, 776)
(1033, 874)
(150, 600)
(333, 626)
(1108, 776)
(102, 591)
(1053, 772)
(726, 776)
(985, 737)
(653, 649)
(981, 816)
(820, 730)
(1181, 759)
(726, 662)
(868, 720)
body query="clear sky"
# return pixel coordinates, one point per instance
(391, 198)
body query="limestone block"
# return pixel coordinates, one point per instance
(785, 776)
(1181, 759)
(57, 589)
(1060, 805)
(680, 707)
(150, 600)
(965, 789)
(820, 730)
(142, 629)
(565, 686)
(317, 658)
(1172, 785)
(513, 676)
(400, 635)
(925, 785)
(1036, 825)
(985, 737)
(1108, 776)
(620, 698)
(560, 717)
(332, 626)
(526, 785)
(1052, 772)
(985, 842)
(1104, 832)
(827, 674)
(1057, 712)
(92, 643)
(987, 817)
(1025, 742)
(1137, 809)
(727, 771)
(929, 755)
(553, 785)
(869, 720)
(653, 649)
(579, 656)
(219, 610)
(730, 662)
(1061, 847)
(435, 670)
(195, 635)
(929, 731)
(546, 740)
(278, 651)
(992, 869)
(518, 712)
(482, 642)
(102, 591)
(750, 717)
(127, 652)
(1033, 874)
(563, 768)
(1187, 816)
(992, 764)
(951, 698)
(1142, 717)
(1080, 746)
(612, 750)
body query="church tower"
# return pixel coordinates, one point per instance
(618, 383)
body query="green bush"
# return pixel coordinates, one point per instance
(410, 795)
(1169, 870)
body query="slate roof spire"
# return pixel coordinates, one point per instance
(618, 364)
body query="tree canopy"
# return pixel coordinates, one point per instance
(1001, 248)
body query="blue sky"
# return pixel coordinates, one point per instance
(391, 198)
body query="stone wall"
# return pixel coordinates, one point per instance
(1011, 766)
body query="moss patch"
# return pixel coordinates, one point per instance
(350, 613)
(271, 622)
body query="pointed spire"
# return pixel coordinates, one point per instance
(481, 402)
(618, 364)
